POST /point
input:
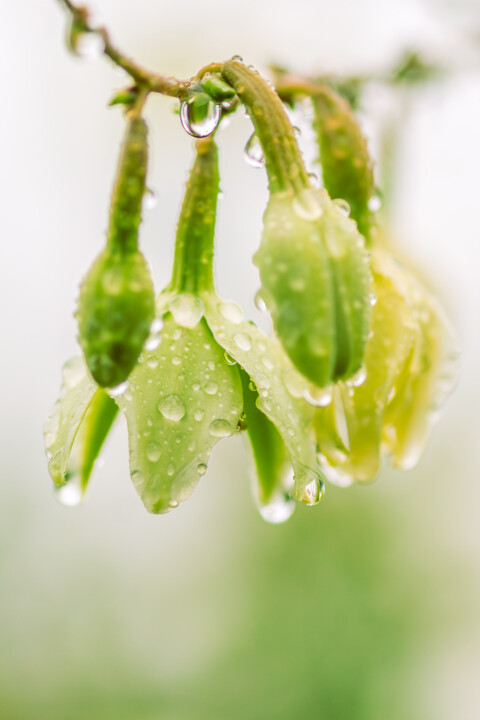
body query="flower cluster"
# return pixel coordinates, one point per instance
(356, 367)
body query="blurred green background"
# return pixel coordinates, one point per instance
(365, 607)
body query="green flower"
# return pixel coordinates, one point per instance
(204, 374)
(409, 372)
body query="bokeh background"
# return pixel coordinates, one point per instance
(365, 607)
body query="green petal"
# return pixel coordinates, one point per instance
(265, 363)
(182, 399)
(349, 430)
(273, 481)
(77, 426)
(427, 378)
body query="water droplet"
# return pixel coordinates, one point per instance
(297, 284)
(112, 281)
(254, 152)
(187, 310)
(307, 204)
(231, 312)
(252, 386)
(118, 390)
(176, 360)
(201, 469)
(199, 414)
(314, 180)
(171, 407)
(89, 45)
(237, 58)
(154, 339)
(372, 299)
(357, 379)
(150, 199)
(260, 303)
(278, 510)
(70, 494)
(199, 120)
(152, 363)
(229, 359)
(343, 206)
(220, 428)
(242, 341)
(171, 471)
(314, 489)
(73, 372)
(375, 203)
(211, 388)
(318, 397)
(173, 503)
(267, 363)
(153, 451)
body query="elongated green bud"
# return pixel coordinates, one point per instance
(116, 303)
(346, 165)
(313, 264)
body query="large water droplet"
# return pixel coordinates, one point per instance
(211, 388)
(171, 407)
(154, 339)
(201, 469)
(220, 428)
(242, 341)
(89, 45)
(318, 397)
(229, 359)
(199, 121)
(187, 310)
(153, 451)
(254, 152)
(231, 312)
(70, 494)
(278, 510)
(358, 378)
(307, 204)
(314, 489)
(73, 372)
(118, 389)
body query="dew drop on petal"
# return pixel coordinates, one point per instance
(278, 510)
(211, 388)
(70, 494)
(187, 310)
(153, 451)
(242, 341)
(171, 407)
(343, 206)
(150, 199)
(358, 378)
(220, 428)
(231, 312)
(260, 303)
(118, 389)
(307, 204)
(201, 469)
(199, 414)
(318, 397)
(229, 359)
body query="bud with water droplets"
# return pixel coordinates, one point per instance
(116, 303)
(313, 264)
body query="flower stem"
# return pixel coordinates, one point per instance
(283, 160)
(194, 245)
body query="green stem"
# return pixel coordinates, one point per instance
(194, 245)
(129, 188)
(283, 160)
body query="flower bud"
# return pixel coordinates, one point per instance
(316, 283)
(115, 311)
(116, 303)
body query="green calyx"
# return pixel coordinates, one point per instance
(116, 302)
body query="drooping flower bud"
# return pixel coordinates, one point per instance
(116, 303)
(313, 264)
